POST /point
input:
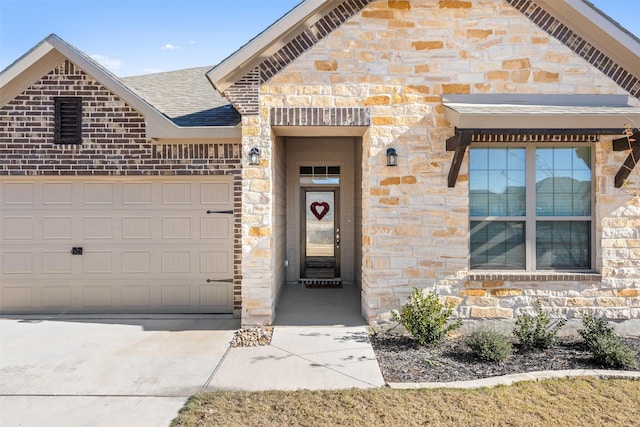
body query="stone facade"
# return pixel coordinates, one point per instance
(397, 59)
(114, 142)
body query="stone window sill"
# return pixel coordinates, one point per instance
(525, 276)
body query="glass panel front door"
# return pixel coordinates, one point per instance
(320, 234)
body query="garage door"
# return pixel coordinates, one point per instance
(80, 245)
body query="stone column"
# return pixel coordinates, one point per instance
(258, 287)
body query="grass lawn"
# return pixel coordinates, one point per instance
(567, 402)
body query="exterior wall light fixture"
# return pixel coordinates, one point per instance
(254, 156)
(392, 157)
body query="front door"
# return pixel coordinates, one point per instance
(320, 243)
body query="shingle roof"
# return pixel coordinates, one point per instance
(185, 96)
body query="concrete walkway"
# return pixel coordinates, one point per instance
(320, 341)
(313, 358)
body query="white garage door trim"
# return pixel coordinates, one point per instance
(148, 245)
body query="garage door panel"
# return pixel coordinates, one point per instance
(136, 262)
(137, 193)
(176, 295)
(174, 262)
(136, 227)
(215, 294)
(216, 227)
(17, 262)
(176, 227)
(17, 297)
(56, 262)
(97, 262)
(216, 263)
(94, 227)
(136, 296)
(97, 296)
(56, 296)
(149, 245)
(176, 193)
(99, 193)
(57, 227)
(60, 193)
(17, 228)
(18, 193)
(216, 194)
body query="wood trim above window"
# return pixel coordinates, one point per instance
(67, 120)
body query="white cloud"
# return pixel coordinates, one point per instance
(169, 46)
(109, 63)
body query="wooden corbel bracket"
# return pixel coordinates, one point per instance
(458, 144)
(621, 144)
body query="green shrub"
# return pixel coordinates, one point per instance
(594, 328)
(425, 317)
(609, 351)
(538, 331)
(605, 346)
(489, 345)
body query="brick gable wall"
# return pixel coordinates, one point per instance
(114, 138)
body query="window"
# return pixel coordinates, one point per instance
(531, 208)
(68, 120)
(320, 175)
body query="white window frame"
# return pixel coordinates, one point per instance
(531, 218)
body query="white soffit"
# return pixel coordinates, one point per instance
(540, 111)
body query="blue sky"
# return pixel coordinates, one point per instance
(132, 37)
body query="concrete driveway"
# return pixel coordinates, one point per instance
(106, 372)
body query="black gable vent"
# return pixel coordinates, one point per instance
(68, 120)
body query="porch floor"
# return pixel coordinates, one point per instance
(301, 306)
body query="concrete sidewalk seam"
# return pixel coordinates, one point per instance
(324, 366)
(215, 370)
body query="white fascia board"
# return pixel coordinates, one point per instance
(25, 62)
(599, 30)
(244, 58)
(27, 69)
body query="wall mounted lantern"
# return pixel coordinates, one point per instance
(254, 156)
(392, 157)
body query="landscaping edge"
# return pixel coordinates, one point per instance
(526, 376)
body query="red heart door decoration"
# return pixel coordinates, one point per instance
(319, 213)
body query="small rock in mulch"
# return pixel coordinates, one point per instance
(252, 337)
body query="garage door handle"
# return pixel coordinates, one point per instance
(221, 212)
(220, 280)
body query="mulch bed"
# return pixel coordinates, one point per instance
(402, 359)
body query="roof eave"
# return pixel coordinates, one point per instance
(53, 50)
(264, 44)
(599, 29)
